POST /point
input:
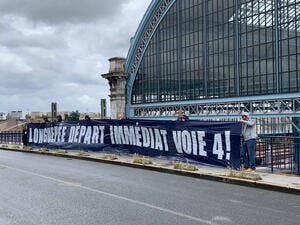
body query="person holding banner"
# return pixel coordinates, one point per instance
(87, 118)
(181, 116)
(59, 119)
(249, 142)
(121, 116)
(24, 135)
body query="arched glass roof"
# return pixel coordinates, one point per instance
(261, 13)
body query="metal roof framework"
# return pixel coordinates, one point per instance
(250, 13)
(261, 13)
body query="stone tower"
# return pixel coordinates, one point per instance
(117, 81)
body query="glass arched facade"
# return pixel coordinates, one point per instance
(211, 49)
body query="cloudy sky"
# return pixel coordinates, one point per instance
(55, 50)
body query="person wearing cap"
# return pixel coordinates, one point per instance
(249, 137)
(181, 116)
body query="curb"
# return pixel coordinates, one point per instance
(218, 178)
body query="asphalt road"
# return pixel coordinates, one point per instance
(44, 190)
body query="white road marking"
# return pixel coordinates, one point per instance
(203, 221)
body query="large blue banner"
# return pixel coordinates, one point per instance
(215, 143)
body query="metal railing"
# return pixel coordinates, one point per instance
(279, 153)
(11, 137)
(275, 152)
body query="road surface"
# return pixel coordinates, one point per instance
(44, 190)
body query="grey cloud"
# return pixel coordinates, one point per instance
(57, 52)
(62, 11)
(16, 39)
(23, 82)
(19, 33)
(34, 69)
(71, 97)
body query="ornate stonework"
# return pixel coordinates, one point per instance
(117, 81)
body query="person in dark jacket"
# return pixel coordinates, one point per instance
(87, 118)
(181, 116)
(59, 119)
(24, 136)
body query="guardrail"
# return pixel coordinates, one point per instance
(279, 153)
(11, 137)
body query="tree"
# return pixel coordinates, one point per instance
(74, 116)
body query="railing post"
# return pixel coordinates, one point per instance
(21, 137)
(272, 164)
(297, 154)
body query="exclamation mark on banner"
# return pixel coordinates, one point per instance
(228, 144)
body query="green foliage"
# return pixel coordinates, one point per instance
(184, 166)
(43, 150)
(83, 153)
(141, 160)
(242, 175)
(61, 151)
(74, 116)
(110, 157)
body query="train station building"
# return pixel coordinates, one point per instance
(214, 59)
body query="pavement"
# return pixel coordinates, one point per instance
(40, 189)
(281, 182)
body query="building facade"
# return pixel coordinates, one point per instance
(2, 116)
(214, 59)
(15, 115)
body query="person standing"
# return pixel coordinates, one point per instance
(121, 116)
(181, 116)
(24, 135)
(87, 118)
(249, 142)
(59, 119)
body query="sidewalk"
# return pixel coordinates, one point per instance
(276, 182)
